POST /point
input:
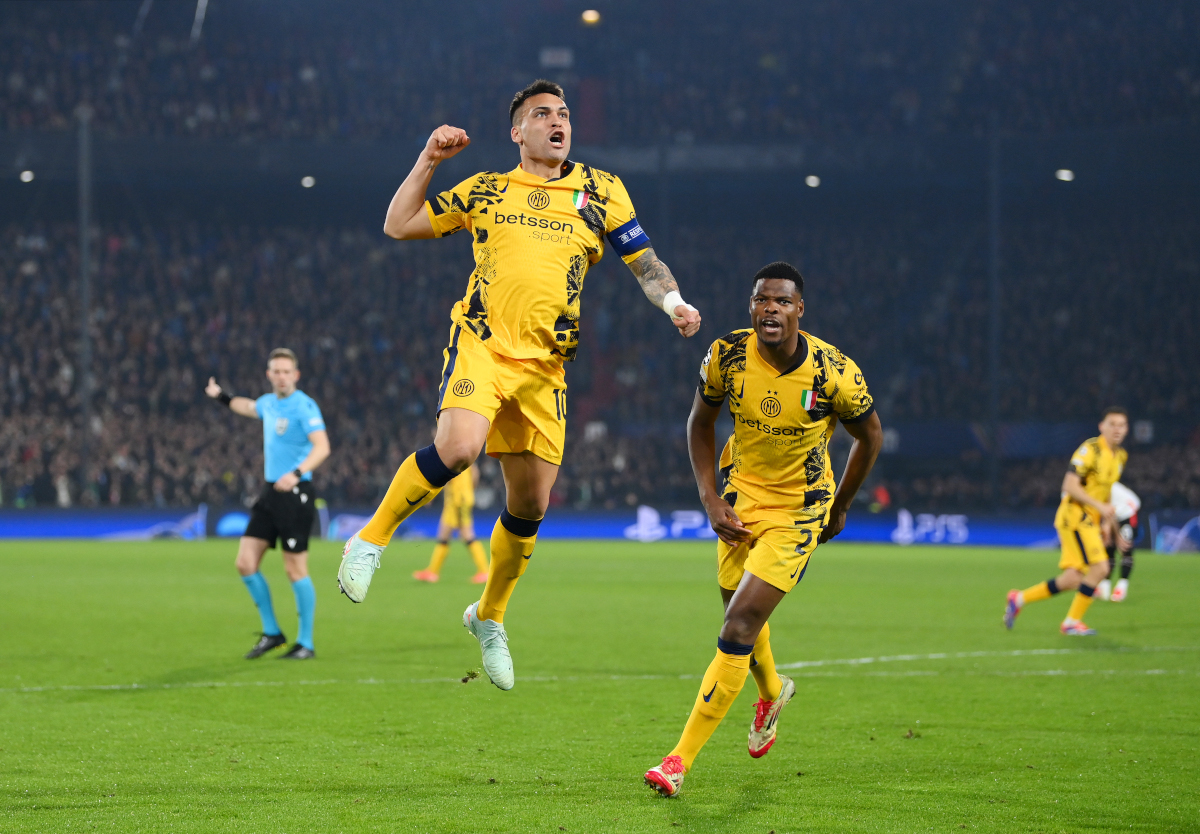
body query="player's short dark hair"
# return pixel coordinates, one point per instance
(536, 88)
(284, 353)
(784, 271)
(1114, 409)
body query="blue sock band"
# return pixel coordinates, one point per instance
(256, 583)
(734, 648)
(1052, 586)
(1086, 590)
(306, 604)
(431, 466)
(522, 527)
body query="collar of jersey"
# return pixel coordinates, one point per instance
(799, 361)
(521, 173)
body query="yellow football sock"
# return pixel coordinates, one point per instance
(512, 544)
(410, 490)
(1079, 605)
(722, 682)
(762, 666)
(439, 557)
(478, 554)
(1037, 593)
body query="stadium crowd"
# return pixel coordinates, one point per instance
(368, 317)
(776, 72)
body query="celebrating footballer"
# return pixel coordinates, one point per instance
(787, 390)
(535, 231)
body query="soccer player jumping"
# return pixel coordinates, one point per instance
(787, 391)
(535, 231)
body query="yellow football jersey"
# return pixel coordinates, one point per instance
(460, 492)
(777, 457)
(534, 240)
(1098, 466)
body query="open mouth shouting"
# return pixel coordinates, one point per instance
(770, 327)
(558, 139)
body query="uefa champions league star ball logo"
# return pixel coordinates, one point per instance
(539, 199)
(770, 406)
(281, 425)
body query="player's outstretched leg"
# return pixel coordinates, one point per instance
(1019, 599)
(434, 571)
(418, 480)
(722, 682)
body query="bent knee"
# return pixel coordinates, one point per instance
(458, 455)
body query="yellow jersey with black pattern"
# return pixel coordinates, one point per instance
(777, 461)
(1098, 466)
(533, 241)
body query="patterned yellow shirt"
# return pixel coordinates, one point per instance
(777, 458)
(1098, 466)
(534, 240)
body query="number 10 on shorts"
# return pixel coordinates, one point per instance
(560, 404)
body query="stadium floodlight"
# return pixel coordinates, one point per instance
(1064, 174)
(591, 17)
(812, 181)
(308, 182)
(27, 176)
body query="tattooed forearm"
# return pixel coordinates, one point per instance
(654, 276)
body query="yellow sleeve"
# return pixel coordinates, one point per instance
(449, 212)
(712, 385)
(621, 225)
(1083, 462)
(851, 400)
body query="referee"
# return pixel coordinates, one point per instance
(294, 444)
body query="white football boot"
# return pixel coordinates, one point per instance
(497, 662)
(666, 778)
(1120, 592)
(766, 715)
(1104, 590)
(360, 560)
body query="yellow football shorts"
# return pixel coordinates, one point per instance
(457, 515)
(1082, 547)
(525, 400)
(777, 554)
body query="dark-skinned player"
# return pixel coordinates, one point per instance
(786, 391)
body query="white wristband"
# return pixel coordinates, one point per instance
(673, 300)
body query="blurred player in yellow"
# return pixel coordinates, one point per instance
(787, 391)
(534, 231)
(458, 500)
(1085, 523)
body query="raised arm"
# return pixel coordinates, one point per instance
(868, 440)
(238, 405)
(406, 218)
(702, 450)
(658, 284)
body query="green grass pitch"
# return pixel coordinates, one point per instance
(999, 731)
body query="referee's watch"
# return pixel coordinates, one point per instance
(299, 475)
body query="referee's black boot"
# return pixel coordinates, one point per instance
(298, 652)
(265, 644)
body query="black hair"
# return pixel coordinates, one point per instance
(1114, 409)
(784, 272)
(536, 88)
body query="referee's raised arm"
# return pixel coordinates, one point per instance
(238, 405)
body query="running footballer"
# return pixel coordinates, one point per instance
(786, 390)
(535, 231)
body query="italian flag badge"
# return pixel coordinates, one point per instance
(808, 399)
(579, 198)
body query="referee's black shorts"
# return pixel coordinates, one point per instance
(284, 516)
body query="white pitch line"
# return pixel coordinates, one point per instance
(804, 664)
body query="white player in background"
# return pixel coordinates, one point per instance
(1121, 536)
